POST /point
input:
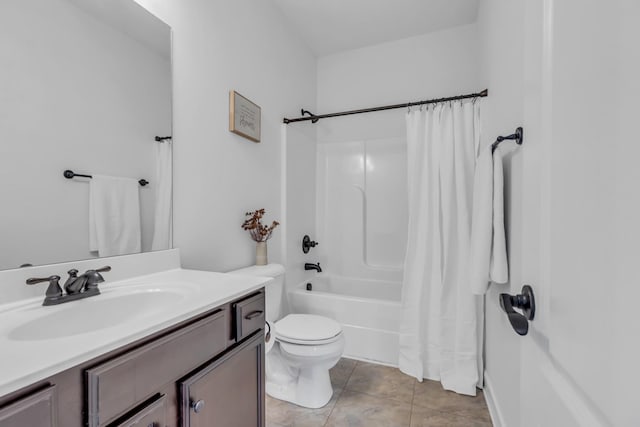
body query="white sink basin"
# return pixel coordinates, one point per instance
(95, 313)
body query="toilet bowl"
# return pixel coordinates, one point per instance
(302, 347)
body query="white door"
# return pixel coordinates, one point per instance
(580, 362)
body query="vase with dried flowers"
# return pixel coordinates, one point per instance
(259, 233)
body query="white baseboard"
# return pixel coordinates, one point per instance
(494, 408)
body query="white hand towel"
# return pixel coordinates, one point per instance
(488, 241)
(162, 226)
(499, 271)
(481, 223)
(114, 216)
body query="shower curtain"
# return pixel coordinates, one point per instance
(162, 230)
(442, 321)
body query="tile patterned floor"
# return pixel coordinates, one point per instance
(378, 396)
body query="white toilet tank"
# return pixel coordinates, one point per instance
(273, 290)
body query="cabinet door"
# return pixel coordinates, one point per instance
(229, 392)
(36, 410)
(152, 415)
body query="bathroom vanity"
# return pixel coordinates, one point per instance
(194, 358)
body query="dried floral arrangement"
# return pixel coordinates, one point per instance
(258, 231)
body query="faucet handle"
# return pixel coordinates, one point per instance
(94, 277)
(54, 290)
(36, 280)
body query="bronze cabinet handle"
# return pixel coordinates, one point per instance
(253, 314)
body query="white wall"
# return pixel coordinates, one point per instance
(364, 235)
(500, 24)
(433, 65)
(220, 46)
(77, 94)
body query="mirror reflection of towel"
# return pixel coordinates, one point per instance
(114, 216)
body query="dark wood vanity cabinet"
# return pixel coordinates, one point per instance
(38, 409)
(207, 371)
(151, 368)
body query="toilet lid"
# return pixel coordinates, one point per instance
(307, 327)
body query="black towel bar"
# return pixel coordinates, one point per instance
(69, 174)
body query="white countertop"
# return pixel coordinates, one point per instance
(23, 362)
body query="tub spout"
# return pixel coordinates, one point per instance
(316, 267)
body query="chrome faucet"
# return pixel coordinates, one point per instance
(316, 267)
(76, 287)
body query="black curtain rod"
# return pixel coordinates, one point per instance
(162, 138)
(69, 174)
(314, 118)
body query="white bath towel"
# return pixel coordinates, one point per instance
(499, 270)
(114, 216)
(488, 240)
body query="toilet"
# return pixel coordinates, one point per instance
(300, 348)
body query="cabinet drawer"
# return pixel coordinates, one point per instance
(36, 410)
(152, 415)
(119, 385)
(249, 316)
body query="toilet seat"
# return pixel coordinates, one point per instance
(307, 329)
(313, 351)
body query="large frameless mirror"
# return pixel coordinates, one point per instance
(85, 88)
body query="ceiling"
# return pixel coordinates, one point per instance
(330, 26)
(132, 19)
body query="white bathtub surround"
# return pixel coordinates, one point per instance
(368, 310)
(36, 344)
(440, 331)
(362, 208)
(162, 229)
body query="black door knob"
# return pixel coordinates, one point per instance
(524, 301)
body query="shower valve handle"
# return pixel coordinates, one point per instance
(307, 243)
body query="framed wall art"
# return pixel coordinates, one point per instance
(244, 117)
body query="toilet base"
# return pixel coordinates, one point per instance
(308, 385)
(311, 390)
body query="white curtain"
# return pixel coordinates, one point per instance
(162, 231)
(442, 321)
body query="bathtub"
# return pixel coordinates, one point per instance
(369, 311)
